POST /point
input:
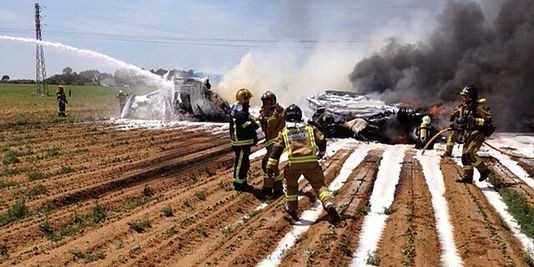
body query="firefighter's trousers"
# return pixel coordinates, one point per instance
(314, 174)
(470, 159)
(61, 109)
(451, 141)
(241, 163)
(270, 182)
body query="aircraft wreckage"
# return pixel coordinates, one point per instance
(337, 114)
(341, 114)
(191, 99)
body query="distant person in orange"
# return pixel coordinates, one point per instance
(61, 101)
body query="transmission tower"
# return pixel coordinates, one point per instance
(40, 71)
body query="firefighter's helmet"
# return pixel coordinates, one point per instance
(243, 96)
(293, 113)
(426, 119)
(269, 96)
(471, 91)
(60, 88)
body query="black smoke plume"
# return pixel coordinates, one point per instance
(466, 47)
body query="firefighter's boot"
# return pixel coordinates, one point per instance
(330, 209)
(485, 175)
(291, 209)
(467, 178)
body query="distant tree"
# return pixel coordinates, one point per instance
(67, 71)
(5, 78)
(159, 71)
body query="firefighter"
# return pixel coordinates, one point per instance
(243, 137)
(272, 122)
(61, 101)
(454, 134)
(305, 145)
(122, 100)
(474, 123)
(424, 132)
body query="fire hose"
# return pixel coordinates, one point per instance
(486, 143)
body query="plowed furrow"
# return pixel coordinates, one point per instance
(505, 178)
(480, 235)
(325, 245)
(410, 236)
(258, 236)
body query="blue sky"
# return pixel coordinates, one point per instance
(212, 23)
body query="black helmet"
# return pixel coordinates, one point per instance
(471, 91)
(293, 113)
(269, 96)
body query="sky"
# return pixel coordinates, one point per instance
(206, 35)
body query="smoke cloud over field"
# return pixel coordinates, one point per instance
(490, 46)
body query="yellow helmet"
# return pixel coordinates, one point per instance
(243, 96)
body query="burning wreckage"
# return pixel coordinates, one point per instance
(341, 114)
(337, 114)
(191, 99)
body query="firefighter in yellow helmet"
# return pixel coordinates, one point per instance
(272, 122)
(304, 144)
(474, 124)
(243, 137)
(424, 133)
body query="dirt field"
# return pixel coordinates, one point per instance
(104, 194)
(96, 193)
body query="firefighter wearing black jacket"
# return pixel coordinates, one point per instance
(243, 136)
(61, 101)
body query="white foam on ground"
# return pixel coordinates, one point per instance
(381, 197)
(498, 204)
(430, 163)
(520, 143)
(513, 166)
(309, 216)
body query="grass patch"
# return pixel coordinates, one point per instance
(201, 195)
(520, 210)
(365, 209)
(10, 157)
(36, 190)
(202, 231)
(87, 256)
(64, 170)
(148, 192)
(389, 210)
(13, 171)
(36, 175)
(99, 214)
(345, 247)
(167, 211)
(47, 207)
(15, 212)
(171, 231)
(140, 225)
(52, 152)
(4, 252)
(374, 259)
(4, 184)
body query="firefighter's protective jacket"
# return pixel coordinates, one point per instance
(477, 115)
(242, 126)
(303, 143)
(272, 124)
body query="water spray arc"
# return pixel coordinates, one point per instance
(40, 71)
(165, 87)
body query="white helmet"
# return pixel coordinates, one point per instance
(426, 119)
